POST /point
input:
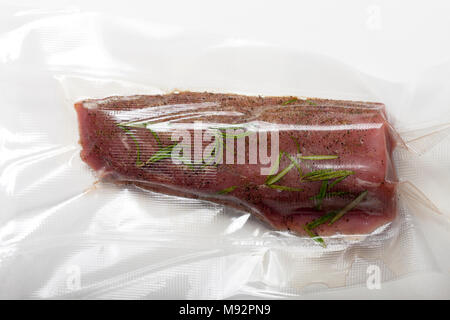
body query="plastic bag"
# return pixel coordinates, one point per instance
(101, 240)
(299, 165)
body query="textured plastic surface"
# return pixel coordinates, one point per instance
(63, 235)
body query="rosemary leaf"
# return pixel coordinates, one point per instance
(320, 175)
(336, 182)
(161, 154)
(236, 135)
(289, 101)
(336, 194)
(294, 161)
(330, 194)
(155, 135)
(227, 190)
(315, 237)
(275, 166)
(134, 124)
(318, 172)
(296, 143)
(138, 149)
(217, 150)
(283, 172)
(284, 188)
(318, 157)
(348, 207)
(321, 195)
(321, 220)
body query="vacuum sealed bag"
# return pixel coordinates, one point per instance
(203, 167)
(293, 163)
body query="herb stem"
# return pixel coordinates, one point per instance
(294, 161)
(283, 172)
(227, 190)
(289, 101)
(336, 182)
(326, 174)
(321, 195)
(236, 135)
(318, 157)
(314, 236)
(321, 220)
(136, 143)
(155, 135)
(296, 143)
(161, 154)
(284, 188)
(275, 166)
(348, 207)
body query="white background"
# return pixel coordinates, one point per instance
(401, 43)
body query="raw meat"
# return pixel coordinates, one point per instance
(128, 140)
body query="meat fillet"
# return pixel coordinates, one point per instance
(334, 156)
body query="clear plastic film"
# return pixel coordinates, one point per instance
(100, 201)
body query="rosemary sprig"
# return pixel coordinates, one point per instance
(317, 222)
(294, 161)
(336, 182)
(318, 157)
(134, 124)
(309, 101)
(348, 207)
(227, 190)
(317, 172)
(283, 188)
(161, 154)
(236, 135)
(330, 194)
(217, 150)
(296, 143)
(289, 101)
(155, 135)
(274, 178)
(314, 236)
(275, 166)
(280, 175)
(136, 143)
(321, 195)
(337, 193)
(321, 220)
(326, 174)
